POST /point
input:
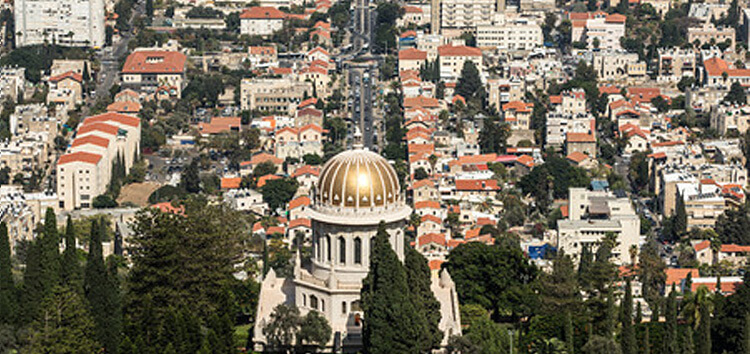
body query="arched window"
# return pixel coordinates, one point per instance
(343, 307)
(322, 305)
(314, 302)
(342, 250)
(328, 248)
(357, 250)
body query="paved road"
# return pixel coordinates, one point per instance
(361, 77)
(108, 74)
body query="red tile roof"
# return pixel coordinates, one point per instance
(299, 202)
(275, 230)
(264, 179)
(526, 160)
(477, 185)
(167, 207)
(263, 13)
(91, 139)
(432, 218)
(154, 62)
(412, 54)
(421, 101)
(114, 117)
(436, 264)
(422, 183)
(220, 125)
(459, 51)
(85, 157)
(231, 182)
(124, 106)
(431, 204)
(262, 157)
(261, 50)
(100, 127)
(580, 138)
(306, 170)
(300, 222)
(518, 106)
(432, 238)
(615, 18)
(577, 157)
(702, 245)
(67, 75)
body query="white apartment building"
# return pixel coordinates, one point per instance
(466, 13)
(676, 63)
(12, 81)
(84, 172)
(512, 34)
(598, 30)
(593, 214)
(73, 23)
(560, 124)
(262, 21)
(452, 59)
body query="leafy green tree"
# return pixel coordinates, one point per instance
(556, 176)
(686, 344)
(7, 287)
(278, 192)
(638, 171)
(391, 324)
(493, 136)
(601, 345)
(71, 266)
(497, 277)
(559, 290)
(736, 94)
(627, 337)
(63, 326)
(418, 276)
(282, 326)
(314, 331)
(733, 227)
(102, 293)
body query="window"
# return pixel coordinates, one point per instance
(357, 250)
(328, 247)
(343, 307)
(342, 250)
(314, 301)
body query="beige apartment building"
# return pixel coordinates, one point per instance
(466, 14)
(618, 66)
(274, 95)
(452, 59)
(710, 34)
(593, 214)
(150, 71)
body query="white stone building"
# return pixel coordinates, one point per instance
(357, 189)
(74, 23)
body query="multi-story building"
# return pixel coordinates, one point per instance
(273, 95)
(298, 142)
(675, 63)
(560, 124)
(618, 66)
(466, 14)
(594, 214)
(511, 34)
(12, 81)
(598, 30)
(411, 59)
(725, 118)
(75, 23)
(84, 172)
(710, 34)
(452, 59)
(262, 21)
(151, 71)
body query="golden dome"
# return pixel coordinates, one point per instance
(358, 179)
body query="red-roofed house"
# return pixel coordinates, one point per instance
(430, 224)
(606, 29)
(518, 114)
(306, 176)
(246, 167)
(124, 107)
(432, 244)
(411, 59)
(581, 142)
(424, 190)
(68, 81)
(219, 125)
(261, 21)
(452, 59)
(731, 253)
(715, 69)
(147, 70)
(582, 160)
(483, 188)
(428, 207)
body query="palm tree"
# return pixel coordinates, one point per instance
(433, 161)
(633, 254)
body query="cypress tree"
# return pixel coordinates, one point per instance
(646, 342)
(627, 340)
(611, 319)
(688, 284)
(70, 268)
(638, 313)
(7, 286)
(704, 331)
(587, 257)
(569, 341)
(50, 252)
(389, 325)
(670, 332)
(687, 346)
(101, 292)
(655, 311)
(746, 339)
(32, 290)
(427, 307)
